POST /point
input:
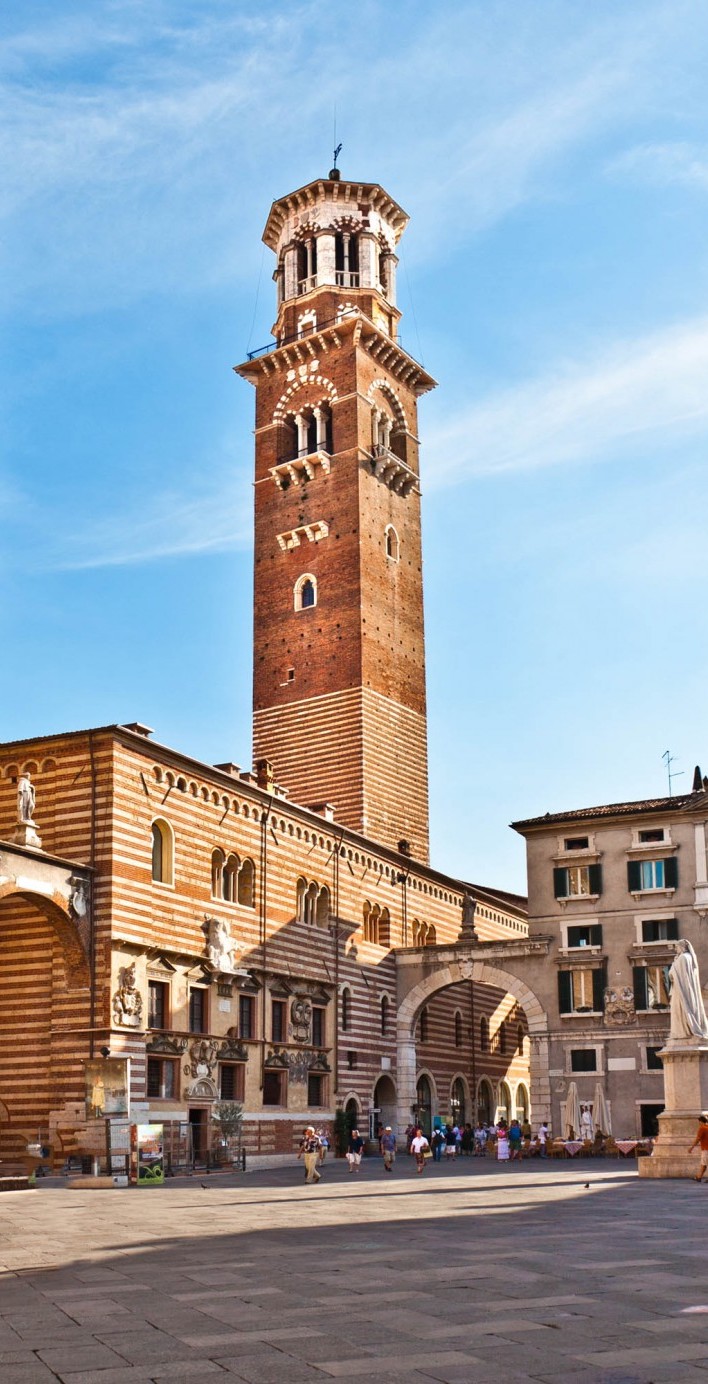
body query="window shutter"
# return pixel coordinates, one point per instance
(560, 883)
(671, 872)
(595, 879)
(672, 931)
(596, 935)
(639, 978)
(565, 992)
(598, 989)
(634, 876)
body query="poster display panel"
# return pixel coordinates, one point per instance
(107, 1087)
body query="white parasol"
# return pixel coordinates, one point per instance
(600, 1113)
(571, 1119)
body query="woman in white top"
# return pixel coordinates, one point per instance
(419, 1144)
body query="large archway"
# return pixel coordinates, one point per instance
(482, 972)
(384, 1106)
(44, 994)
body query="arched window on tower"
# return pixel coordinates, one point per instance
(384, 1015)
(346, 1009)
(346, 259)
(393, 546)
(322, 907)
(484, 1034)
(305, 592)
(423, 1026)
(458, 1029)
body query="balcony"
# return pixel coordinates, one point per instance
(292, 470)
(346, 278)
(393, 471)
(307, 284)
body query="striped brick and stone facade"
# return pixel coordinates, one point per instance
(316, 932)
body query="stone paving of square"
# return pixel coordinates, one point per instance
(471, 1272)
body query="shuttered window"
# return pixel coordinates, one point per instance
(577, 881)
(652, 874)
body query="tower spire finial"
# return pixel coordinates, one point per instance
(334, 171)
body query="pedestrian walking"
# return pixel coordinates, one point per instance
(419, 1148)
(323, 1137)
(309, 1151)
(450, 1142)
(355, 1150)
(388, 1148)
(701, 1142)
(438, 1144)
(543, 1138)
(515, 1140)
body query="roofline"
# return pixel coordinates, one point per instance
(154, 749)
(290, 200)
(608, 812)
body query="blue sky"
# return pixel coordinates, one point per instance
(554, 161)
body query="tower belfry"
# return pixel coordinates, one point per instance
(339, 659)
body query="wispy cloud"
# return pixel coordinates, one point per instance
(166, 524)
(637, 393)
(664, 164)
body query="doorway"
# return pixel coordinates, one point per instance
(425, 1105)
(649, 1121)
(384, 1104)
(198, 1126)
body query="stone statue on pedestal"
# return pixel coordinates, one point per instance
(688, 1015)
(26, 799)
(26, 831)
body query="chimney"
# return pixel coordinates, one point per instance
(229, 768)
(697, 780)
(264, 775)
(325, 810)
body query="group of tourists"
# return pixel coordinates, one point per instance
(506, 1142)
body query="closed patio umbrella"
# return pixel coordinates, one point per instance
(600, 1113)
(571, 1121)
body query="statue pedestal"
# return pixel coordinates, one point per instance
(26, 835)
(686, 1094)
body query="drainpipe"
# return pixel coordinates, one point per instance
(264, 924)
(335, 938)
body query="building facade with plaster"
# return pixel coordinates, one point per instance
(611, 891)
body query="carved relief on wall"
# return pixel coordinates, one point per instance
(203, 1053)
(127, 1001)
(301, 1020)
(221, 951)
(619, 1005)
(168, 1044)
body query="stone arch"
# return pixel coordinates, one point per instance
(468, 1102)
(58, 914)
(319, 390)
(482, 973)
(392, 397)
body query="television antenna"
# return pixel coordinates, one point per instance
(671, 759)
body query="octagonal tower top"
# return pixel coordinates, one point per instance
(335, 236)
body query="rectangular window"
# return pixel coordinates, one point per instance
(197, 1011)
(273, 1086)
(245, 1016)
(277, 1021)
(652, 874)
(231, 1081)
(650, 989)
(318, 1027)
(647, 838)
(660, 930)
(589, 935)
(161, 1078)
(576, 843)
(577, 881)
(583, 1060)
(158, 1006)
(581, 991)
(315, 1089)
(654, 1062)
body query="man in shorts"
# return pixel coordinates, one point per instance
(388, 1148)
(701, 1141)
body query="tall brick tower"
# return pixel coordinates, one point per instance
(339, 660)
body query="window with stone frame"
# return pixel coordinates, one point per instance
(274, 1087)
(660, 930)
(158, 1004)
(316, 1089)
(643, 876)
(246, 1016)
(577, 881)
(162, 1078)
(318, 1026)
(197, 1009)
(650, 987)
(583, 1060)
(581, 990)
(278, 1021)
(231, 1080)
